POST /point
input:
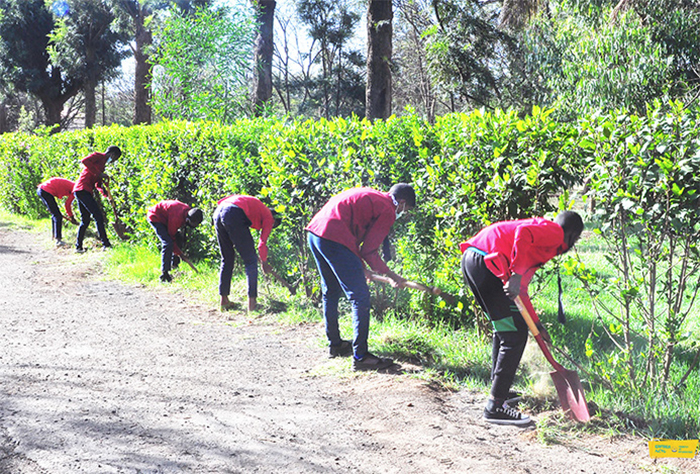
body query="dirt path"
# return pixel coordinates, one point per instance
(100, 377)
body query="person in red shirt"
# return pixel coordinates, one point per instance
(234, 216)
(167, 218)
(49, 191)
(93, 176)
(345, 233)
(511, 252)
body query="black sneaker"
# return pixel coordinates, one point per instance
(513, 398)
(344, 349)
(371, 362)
(166, 278)
(79, 250)
(505, 415)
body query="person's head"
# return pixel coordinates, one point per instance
(572, 224)
(194, 217)
(405, 197)
(113, 153)
(278, 219)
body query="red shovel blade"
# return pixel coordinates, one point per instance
(571, 396)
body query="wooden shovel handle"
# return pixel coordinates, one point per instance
(414, 285)
(538, 337)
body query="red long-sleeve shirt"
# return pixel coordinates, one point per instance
(171, 213)
(61, 188)
(93, 167)
(258, 214)
(520, 246)
(359, 219)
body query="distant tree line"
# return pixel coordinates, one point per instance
(202, 59)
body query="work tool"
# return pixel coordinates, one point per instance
(450, 299)
(119, 227)
(567, 382)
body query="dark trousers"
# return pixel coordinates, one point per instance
(342, 272)
(166, 246)
(510, 331)
(56, 216)
(89, 207)
(233, 234)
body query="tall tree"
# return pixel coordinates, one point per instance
(25, 26)
(264, 49)
(84, 44)
(138, 20)
(411, 82)
(380, 16)
(331, 24)
(138, 16)
(201, 64)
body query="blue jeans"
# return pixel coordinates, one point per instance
(342, 271)
(56, 216)
(233, 230)
(88, 206)
(166, 249)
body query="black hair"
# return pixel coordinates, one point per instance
(404, 191)
(570, 221)
(195, 216)
(114, 151)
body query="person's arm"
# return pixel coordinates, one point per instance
(265, 231)
(374, 237)
(175, 223)
(69, 209)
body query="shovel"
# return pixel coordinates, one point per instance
(566, 381)
(449, 299)
(119, 226)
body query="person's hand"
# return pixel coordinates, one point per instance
(397, 281)
(512, 286)
(543, 332)
(266, 267)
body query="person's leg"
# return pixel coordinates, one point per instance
(509, 337)
(228, 256)
(238, 227)
(330, 291)
(89, 202)
(84, 219)
(166, 249)
(56, 216)
(511, 346)
(349, 272)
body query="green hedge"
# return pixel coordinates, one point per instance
(468, 169)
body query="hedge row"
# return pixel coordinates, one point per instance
(468, 170)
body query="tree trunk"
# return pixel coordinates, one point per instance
(90, 104)
(264, 48)
(52, 108)
(4, 126)
(142, 83)
(379, 48)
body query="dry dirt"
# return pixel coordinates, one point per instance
(101, 377)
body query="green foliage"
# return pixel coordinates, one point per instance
(467, 53)
(583, 57)
(643, 176)
(25, 26)
(201, 63)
